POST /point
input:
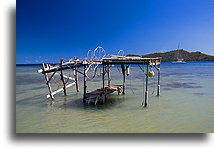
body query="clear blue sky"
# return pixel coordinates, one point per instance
(48, 30)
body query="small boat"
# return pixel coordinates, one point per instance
(179, 61)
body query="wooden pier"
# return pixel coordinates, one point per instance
(101, 94)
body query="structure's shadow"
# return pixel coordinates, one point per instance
(69, 137)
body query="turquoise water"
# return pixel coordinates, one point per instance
(184, 106)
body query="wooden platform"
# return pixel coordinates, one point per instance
(101, 95)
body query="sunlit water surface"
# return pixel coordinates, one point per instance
(184, 106)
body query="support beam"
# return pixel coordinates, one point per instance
(58, 87)
(108, 73)
(146, 92)
(84, 73)
(104, 90)
(51, 76)
(88, 68)
(48, 83)
(61, 89)
(76, 79)
(67, 77)
(62, 78)
(124, 77)
(84, 84)
(158, 89)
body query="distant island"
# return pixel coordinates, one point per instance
(174, 54)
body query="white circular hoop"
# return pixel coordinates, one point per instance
(90, 55)
(99, 53)
(120, 53)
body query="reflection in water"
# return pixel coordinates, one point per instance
(182, 85)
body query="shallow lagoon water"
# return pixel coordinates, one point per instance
(184, 106)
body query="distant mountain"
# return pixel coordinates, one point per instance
(181, 54)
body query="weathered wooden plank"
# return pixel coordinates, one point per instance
(109, 76)
(147, 82)
(124, 77)
(88, 68)
(67, 77)
(51, 76)
(117, 56)
(83, 73)
(119, 60)
(76, 80)
(56, 66)
(48, 83)
(68, 65)
(84, 84)
(103, 78)
(62, 78)
(158, 89)
(61, 89)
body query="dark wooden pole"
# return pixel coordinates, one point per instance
(62, 78)
(76, 79)
(104, 90)
(158, 90)
(146, 92)
(124, 77)
(109, 78)
(103, 77)
(48, 83)
(84, 87)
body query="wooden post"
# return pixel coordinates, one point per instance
(103, 78)
(58, 87)
(146, 92)
(76, 79)
(124, 77)
(84, 87)
(158, 90)
(108, 72)
(62, 78)
(48, 83)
